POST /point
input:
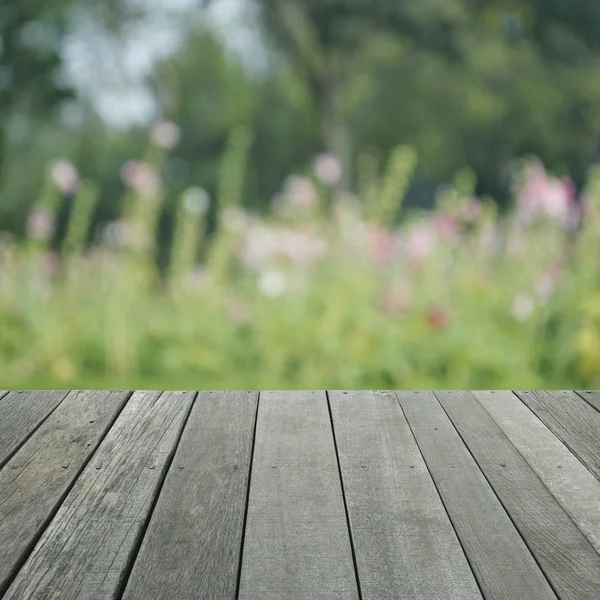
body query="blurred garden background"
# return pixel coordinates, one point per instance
(282, 194)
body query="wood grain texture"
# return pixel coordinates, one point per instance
(297, 543)
(502, 563)
(193, 543)
(35, 480)
(85, 551)
(591, 397)
(565, 555)
(20, 414)
(405, 544)
(577, 490)
(572, 419)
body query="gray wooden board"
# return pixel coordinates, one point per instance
(577, 490)
(193, 543)
(20, 414)
(591, 397)
(35, 480)
(565, 555)
(3, 393)
(572, 419)
(297, 544)
(86, 549)
(406, 547)
(500, 559)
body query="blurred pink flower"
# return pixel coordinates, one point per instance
(50, 263)
(328, 169)
(396, 299)
(64, 176)
(301, 247)
(141, 178)
(438, 317)
(238, 311)
(470, 210)
(40, 224)
(548, 281)
(165, 135)
(383, 245)
(446, 226)
(522, 307)
(420, 242)
(541, 195)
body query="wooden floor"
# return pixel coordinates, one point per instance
(300, 495)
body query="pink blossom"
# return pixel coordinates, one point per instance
(165, 135)
(64, 176)
(539, 195)
(471, 210)
(237, 311)
(396, 299)
(438, 317)
(420, 242)
(383, 245)
(141, 178)
(446, 226)
(301, 247)
(548, 281)
(51, 263)
(328, 169)
(40, 224)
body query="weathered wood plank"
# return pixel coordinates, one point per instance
(297, 543)
(577, 490)
(592, 397)
(565, 555)
(502, 563)
(405, 544)
(20, 414)
(192, 546)
(86, 550)
(3, 393)
(35, 480)
(574, 421)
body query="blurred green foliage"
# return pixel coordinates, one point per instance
(457, 83)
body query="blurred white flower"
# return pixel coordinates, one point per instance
(141, 178)
(328, 169)
(234, 219)
(522, 307)
(300, 192)
(196, 200)
(165, 135)
(272, 283)
(40, 224)
(196, 279)
(64, 176)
